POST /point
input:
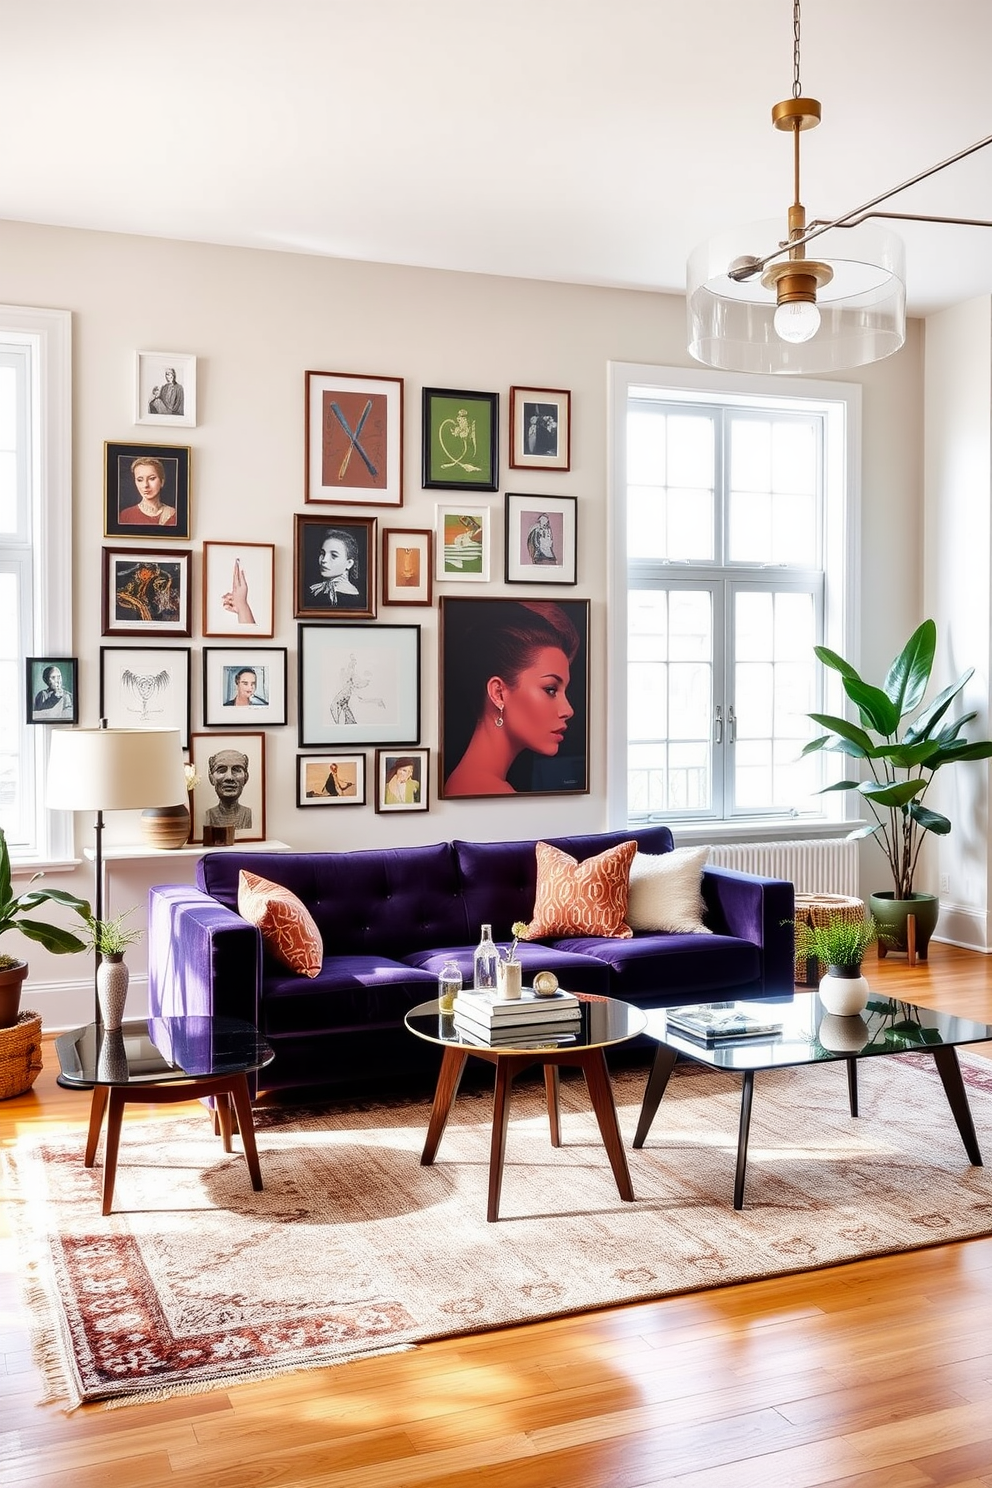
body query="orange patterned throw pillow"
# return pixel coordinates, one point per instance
(286, 924)
(587, 898)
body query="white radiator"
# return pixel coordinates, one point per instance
(821, 865)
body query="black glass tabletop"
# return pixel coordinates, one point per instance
(597, 1021)
(156, 1050)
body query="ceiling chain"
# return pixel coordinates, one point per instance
(797, 91)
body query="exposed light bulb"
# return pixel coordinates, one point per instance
(797, 321)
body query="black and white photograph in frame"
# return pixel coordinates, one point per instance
(244, 684)
(146, 687)
(540, 539)
(330, 780)
(165, 388)
(231, 792)
(540, 429)
(335, 565)
(358, 684)
(52, 689)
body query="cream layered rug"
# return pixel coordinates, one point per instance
(354, 1248)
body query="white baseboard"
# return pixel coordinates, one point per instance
(66, 1004)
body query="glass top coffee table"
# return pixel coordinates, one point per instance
(808, 1035)
(161, 1061)
(603, 1021)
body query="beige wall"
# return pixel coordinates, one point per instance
(256, 321)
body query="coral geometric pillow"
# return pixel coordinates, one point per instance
(665, 891)
(286, 924)
(588, 898)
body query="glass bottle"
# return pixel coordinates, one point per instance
(449, 984)
(485, 962)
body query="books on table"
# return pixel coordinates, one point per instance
(486, 1008)
(528, 1035)
(720, 1020)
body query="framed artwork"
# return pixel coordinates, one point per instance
(401, 780)
(540, 429)
(165, 388)
(514, 693)
(146, 687)
(462, 545)
(146, 491)
(334, 564)
(238, 589)
(358, 684)
(236, 677)
(540, 539)
(460, 440)
(146, 592)
(354, 439)
(406, 566)
(231, 792)
(330, 780)
(51, 689)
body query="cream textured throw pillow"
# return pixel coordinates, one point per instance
(665, 891)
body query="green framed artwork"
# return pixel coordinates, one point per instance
(460, 440)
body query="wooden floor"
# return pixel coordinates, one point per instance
(877, 1373)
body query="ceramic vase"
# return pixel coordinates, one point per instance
(843, 1035)
(509, 980)
(165, 826)
(844, 991)
(112, 977)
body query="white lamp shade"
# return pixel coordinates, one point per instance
(862, 309)
(115, 769)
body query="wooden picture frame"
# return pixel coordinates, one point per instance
(358, 684)
(334, 565)
(51, 698)
(246, 682)
(402, 780)
(540, 429)
(460, 449)
(330, 780)
(239, 589)
(540, 746)
(205, 799)
(406, 566)
(540, 539)
(165, 388)
(146, 687)
(137, 480)
(146, 592)
(354, 439)
(461, 543)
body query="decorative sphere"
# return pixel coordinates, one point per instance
(545, 984)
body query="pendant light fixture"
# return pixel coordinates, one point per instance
(791, 312)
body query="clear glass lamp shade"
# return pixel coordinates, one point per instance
(862, 309)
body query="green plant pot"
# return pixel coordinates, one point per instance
(11, 981)
(892, 913)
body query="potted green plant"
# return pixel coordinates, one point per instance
(902, 754)
(17, 913)
(840, 943)
(110, 939)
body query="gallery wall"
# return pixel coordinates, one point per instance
(256, 322)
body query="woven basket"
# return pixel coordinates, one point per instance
(820, 909)
(20, 1055)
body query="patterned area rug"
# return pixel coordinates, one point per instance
(353, 1248)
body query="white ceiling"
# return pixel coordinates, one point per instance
(590, 141)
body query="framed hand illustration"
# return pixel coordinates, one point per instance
(358, 684)
(461, 440)
(238, 585)
(514, 697)
(354, 439)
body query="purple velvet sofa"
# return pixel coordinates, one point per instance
(391, 917)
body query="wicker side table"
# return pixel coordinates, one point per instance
(819, 909)
(20, 1055)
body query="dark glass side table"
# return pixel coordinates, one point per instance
(162, 1061)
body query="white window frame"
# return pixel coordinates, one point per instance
(841, 563)
(47, 335)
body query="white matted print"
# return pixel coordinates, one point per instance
(330, 780)
(165, 388)
(231, 792)
(401, 781)
(462, 543)
(146, 687)
(238, 589)
(406, 566)
(358, 684)
(244, 684)
(540, 539)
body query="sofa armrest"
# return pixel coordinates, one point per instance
(759, 910)
(203, 959)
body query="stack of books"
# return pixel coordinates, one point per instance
(522, 1021)
(718, 1021)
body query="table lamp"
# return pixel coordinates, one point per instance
(111, 769)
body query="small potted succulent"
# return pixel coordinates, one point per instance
(17, 913)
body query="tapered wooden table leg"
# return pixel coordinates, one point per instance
(497, 1147)
(594, 1067)
(552, 1085)
(114, 1116)
(222, 1121)
(453, 1064)
(97, 1107)
(242, 1104)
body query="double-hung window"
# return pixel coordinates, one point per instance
(731, 509)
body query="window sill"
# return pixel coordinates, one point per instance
(766, 829)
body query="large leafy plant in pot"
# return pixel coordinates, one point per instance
(901, 767)
(17, 912)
